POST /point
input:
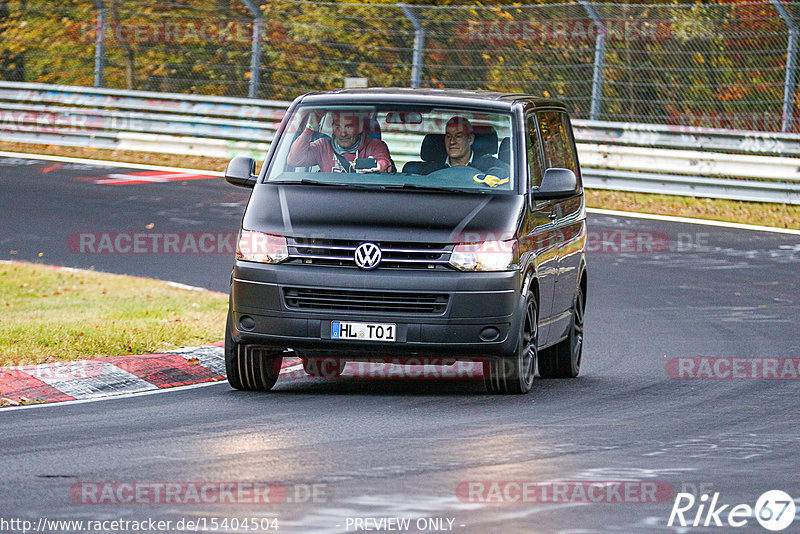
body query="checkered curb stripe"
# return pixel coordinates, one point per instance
(104, 377)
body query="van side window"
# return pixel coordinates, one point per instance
(557, 142)
(535, 172)
(571, 154)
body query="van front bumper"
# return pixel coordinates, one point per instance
(477, 318)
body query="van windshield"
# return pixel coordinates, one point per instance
(396, 147)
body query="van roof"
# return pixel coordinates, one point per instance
(493, 99)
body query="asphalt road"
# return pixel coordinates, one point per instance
(46, 207)
(378, 449)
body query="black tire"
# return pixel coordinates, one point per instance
(324, 367)
(248, 369)
(564, 359)
(514, 375)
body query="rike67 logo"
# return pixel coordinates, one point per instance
(774, 510)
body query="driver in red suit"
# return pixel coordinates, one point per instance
(338, 153)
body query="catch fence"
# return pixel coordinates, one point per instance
(729, 64)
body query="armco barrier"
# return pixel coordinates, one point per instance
(687, 137)
(620, 156)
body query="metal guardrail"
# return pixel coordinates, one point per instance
(646, 159)
(698, 186)
(137, 120)
(619, 156)
(707, 139)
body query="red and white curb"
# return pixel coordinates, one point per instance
(118, 375)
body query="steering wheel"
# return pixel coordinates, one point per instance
(455, 174)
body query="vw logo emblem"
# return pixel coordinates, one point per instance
(368, 255)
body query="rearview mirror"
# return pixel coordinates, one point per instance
(557, 183)
(241, 171)
(404, 117)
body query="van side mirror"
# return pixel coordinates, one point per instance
(241, 171)
(557, 183)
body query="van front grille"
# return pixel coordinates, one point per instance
(321, 299)
(395, 255)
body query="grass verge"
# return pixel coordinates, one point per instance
(51, 314)
(759, 213)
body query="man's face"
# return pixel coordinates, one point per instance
(346, 128)
(458, 141)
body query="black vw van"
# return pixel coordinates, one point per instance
(400, 223)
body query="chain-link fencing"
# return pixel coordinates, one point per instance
(716, 64)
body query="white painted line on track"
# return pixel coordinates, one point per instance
(106, 163)
(109, 397)
(170, 283)
(598, 211)
(187, 287)
(689, 220)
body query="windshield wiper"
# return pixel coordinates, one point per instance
(306, 181)
(432, 188)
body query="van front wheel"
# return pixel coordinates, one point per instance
(250, 369)
(563, 360)
(514, 375)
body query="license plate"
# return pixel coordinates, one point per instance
(364, 331)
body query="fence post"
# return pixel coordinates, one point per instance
(255, 49)
(419, 45)
(791, 66)
(599, 60)
(100, 43)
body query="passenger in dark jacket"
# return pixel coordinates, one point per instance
(458, 138)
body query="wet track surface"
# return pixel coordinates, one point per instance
(403, 448)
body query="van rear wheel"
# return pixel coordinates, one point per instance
(249, 368)
(514, 375)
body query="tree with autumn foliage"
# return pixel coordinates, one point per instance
(719, 63)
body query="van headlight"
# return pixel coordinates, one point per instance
(261, 247)
(486, 256)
